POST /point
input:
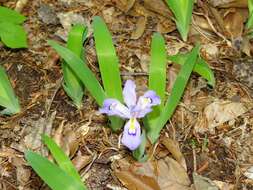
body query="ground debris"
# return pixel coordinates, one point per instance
(218, 113)
(165, 174)
(47, 14)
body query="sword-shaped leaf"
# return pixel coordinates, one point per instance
(82, 71)
(108, 65)
(11, 16)
(182, 10)
(8, 100)
(61, 158)
(175, 96)
(157, 73)
(201, 67)
(55, 177)
(72, 84)
(13, 35)
(249, 24)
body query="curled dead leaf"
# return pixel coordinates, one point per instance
(159, 7)
(71, 143)
(166, 174)
(223, 185)
(140, 28)
(81, 161)
(218, 113)
(174, 149)
(229, 3)
(125, 5)
(202, 183)
(201, 22)
(234, 23)
(165, 25)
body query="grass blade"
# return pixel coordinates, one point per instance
(82, 71)
(182, 10)
(201, 67)
(7, 95)
(176, 94)
(157, 72)
(108, 65)
(72, 84)
(11, 16)
(61, 158)
(55, 177)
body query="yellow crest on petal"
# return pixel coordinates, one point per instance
(132, 128)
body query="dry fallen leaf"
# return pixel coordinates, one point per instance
(70, 143)
(140, 28)
(166, 174)
(81, 161)
(201, 22)
(159, 7)
(125, 5)
(223, 185)
(218, 113)
(234, 23)
(108, 14)
(229, 3)
(174, 149)
(202, 183)
(249, 173)
(165, 25)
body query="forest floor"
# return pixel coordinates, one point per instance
(212, 127)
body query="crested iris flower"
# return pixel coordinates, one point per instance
(133, 110)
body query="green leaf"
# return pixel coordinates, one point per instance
(107, 59)
(176, 94)
(62, 160)
(12, 35)
(7, 96)
(55, 177)
(201, 67)
(250, 6)
(249, 23)
(182, 10)
(157, 69)
(82, 71)
(108, 65)
(72, 84)
(157, 73)
(11, 16)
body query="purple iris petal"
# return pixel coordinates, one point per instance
(129, 93)
(155, 99)
(145, 103)
(132, 134)
(114, 107)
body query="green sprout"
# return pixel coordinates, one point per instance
(72, 85)
(11, 33)
(182, 10)
(58, 177)
(8, 100)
